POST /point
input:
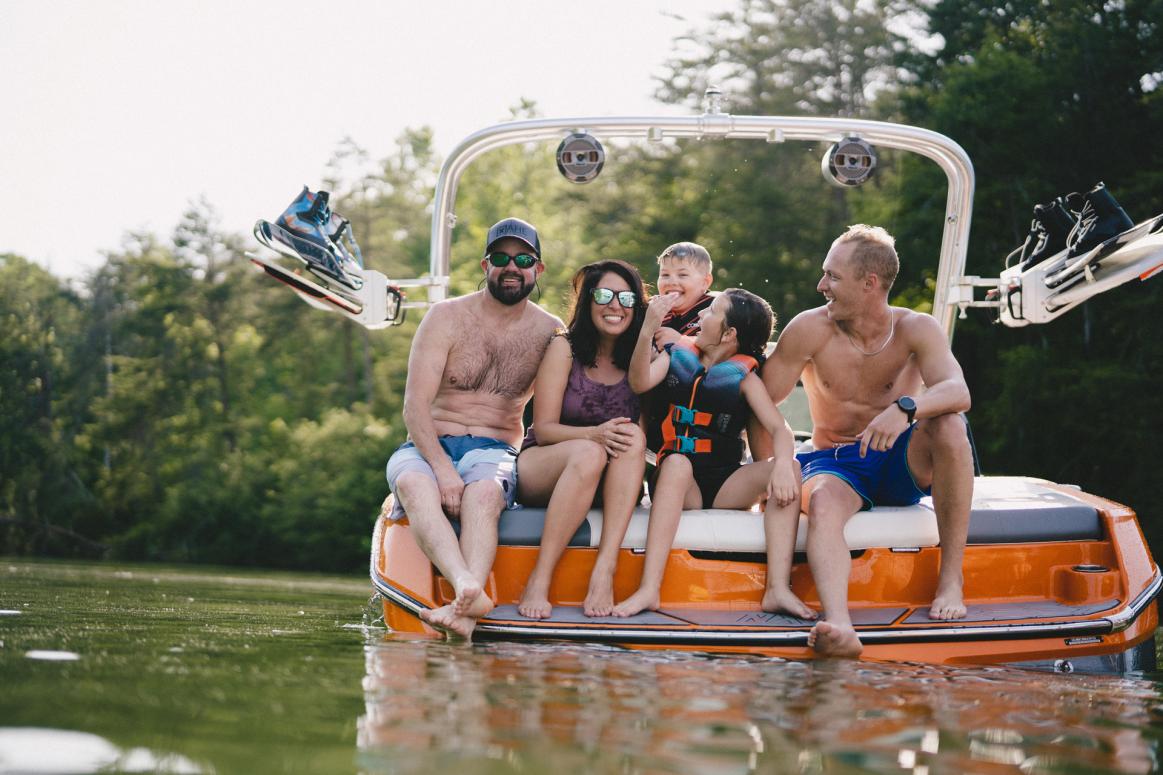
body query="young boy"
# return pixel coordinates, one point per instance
(684, 273)
(684, 269)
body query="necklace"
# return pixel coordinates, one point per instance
(879, 350)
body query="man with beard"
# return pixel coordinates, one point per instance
(470, 373)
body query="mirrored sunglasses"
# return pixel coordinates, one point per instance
(522, 260)
(605, 296)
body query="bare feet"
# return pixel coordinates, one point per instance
(460, 616)
(445, 619)
(534, 603)
(600, 598)
(781, 600)
(469, 596)
(830, 640)
(640, 601)
(949, 603)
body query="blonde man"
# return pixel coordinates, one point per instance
(879, 440)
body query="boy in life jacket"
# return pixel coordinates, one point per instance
(684, 268)
(712, 388)
(684, 272)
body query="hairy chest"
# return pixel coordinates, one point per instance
(479, 362)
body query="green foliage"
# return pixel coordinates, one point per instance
(1048, 98)
(789, 57)
(180, 406)
(1089, 419)
(43, 495)
(329, 485)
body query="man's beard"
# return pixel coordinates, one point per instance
(508, 295)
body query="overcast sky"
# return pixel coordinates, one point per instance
(117, 114)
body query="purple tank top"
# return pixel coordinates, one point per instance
(591, 403)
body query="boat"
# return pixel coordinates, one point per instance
(1055, 578)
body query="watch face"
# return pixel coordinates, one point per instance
(907, 403)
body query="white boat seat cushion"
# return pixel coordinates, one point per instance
(1005, 510)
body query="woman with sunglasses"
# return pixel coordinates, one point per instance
(585, 432)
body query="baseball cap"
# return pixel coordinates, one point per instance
(517, 229)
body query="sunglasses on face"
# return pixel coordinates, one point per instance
(522, 260)
(605, 296)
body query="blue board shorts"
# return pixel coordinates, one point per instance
(476, 458)
(879, 478)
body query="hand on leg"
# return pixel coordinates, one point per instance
(565, 474)
(420, 499)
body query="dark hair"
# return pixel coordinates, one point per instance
(753, 321)
(583, 336)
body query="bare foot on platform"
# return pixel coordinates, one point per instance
(463, 621)
(782, 600)
(449, 622)
(830, 640)
(534, 603)
(469, 596)
(641, 600)
(600, 598)
(481, 607)
(949, 602)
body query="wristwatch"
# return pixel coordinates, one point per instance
(907, 405)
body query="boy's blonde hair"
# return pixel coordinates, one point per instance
(874, 251)
(697, 255)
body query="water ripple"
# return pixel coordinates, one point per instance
(544, 707)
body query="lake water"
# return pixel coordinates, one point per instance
(174, 669)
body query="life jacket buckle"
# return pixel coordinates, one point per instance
(688, 445)
(686, 416)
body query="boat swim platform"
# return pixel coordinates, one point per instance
(861, 617)
(1050, 573)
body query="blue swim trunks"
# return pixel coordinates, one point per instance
(879, 478)
(475, 458)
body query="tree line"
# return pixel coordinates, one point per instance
(177, 406)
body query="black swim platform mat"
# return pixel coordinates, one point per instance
(999, 612)
(563, 614)
(862, 617)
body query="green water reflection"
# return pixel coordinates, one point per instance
(184, 670)
(238, 672)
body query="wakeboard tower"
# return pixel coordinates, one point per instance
(1055, 578)
(317, 256)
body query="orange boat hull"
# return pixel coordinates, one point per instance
(1055, 604)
